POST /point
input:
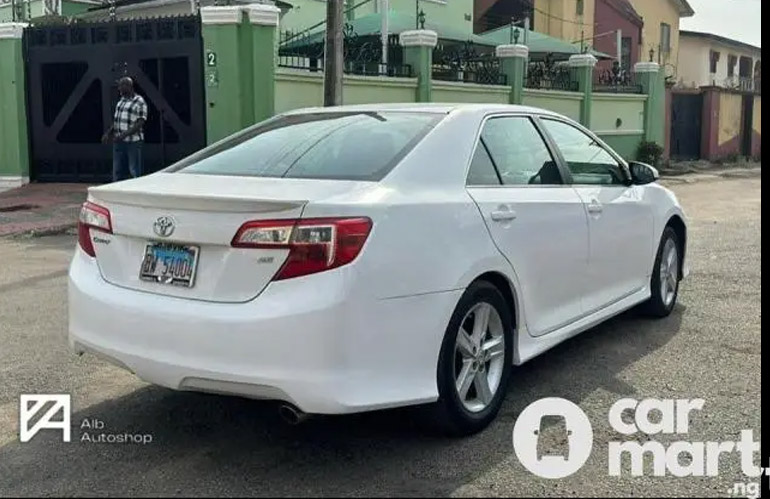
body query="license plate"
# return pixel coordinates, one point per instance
(167, 263)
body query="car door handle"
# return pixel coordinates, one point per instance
(502, 215)
(595, 207)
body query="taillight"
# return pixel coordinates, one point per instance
(92, 216)
(314, 244)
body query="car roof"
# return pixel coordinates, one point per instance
(442, 108)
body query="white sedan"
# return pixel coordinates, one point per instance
(357, 258)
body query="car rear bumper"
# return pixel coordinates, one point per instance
(310, 341)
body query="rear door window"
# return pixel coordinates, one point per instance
(518, 152)
(343, 146)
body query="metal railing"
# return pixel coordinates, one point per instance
(616, 80)
(466, 63)
(362, 55)
(744, 83)
(550, 75)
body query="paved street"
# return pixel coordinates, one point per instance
(211, 445)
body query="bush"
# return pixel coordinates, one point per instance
(650, 153)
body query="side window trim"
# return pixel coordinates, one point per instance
(491, 159)
(621, 162)
(566, 173)
(554, 152)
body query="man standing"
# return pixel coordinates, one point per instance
(126, 132)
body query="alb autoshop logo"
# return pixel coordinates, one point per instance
(629, 418)
(53, 411)
(39, 412)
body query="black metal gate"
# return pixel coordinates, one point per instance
(686, 125)
(72, 73)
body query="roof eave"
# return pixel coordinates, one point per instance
(685, 10)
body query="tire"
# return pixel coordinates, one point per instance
(661, 301)
(461, 417)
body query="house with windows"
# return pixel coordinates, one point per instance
(568, 20)
(649, 29)
(660, 33)
(712, 60)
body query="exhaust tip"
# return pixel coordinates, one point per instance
(291, 415)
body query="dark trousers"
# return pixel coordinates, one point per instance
(126, 160)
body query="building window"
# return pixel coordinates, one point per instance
(625, 52)
(665, 38)
(580, 7)
(731, 62)
(714, 61)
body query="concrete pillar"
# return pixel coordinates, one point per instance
(264, 32)
(228, 75)
(583, 70)
(418, 53)
(14, 143)
(513, 59)
(650, 77)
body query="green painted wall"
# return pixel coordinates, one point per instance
(297, 90)
(607, 109)
(626, 145)
(263, 70)
(294, 90)
(566, 103)
(468, 92)
(364, 90)
(653, 85)
(420, 58)
(14, 145)
(229, 95)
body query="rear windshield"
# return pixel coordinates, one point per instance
(342, 146)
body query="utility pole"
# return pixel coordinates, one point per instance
(526, 30)
(384, 31)
(333, 54)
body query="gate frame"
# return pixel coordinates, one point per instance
(703, 111)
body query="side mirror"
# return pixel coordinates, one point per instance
(642, 173)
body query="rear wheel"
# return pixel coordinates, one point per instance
(475, 361)
(665, 276)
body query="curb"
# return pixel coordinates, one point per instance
(689, 177)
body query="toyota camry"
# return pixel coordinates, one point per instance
(356, 258)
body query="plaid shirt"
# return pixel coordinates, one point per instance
(127, 112)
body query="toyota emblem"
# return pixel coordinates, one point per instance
(163, 226)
